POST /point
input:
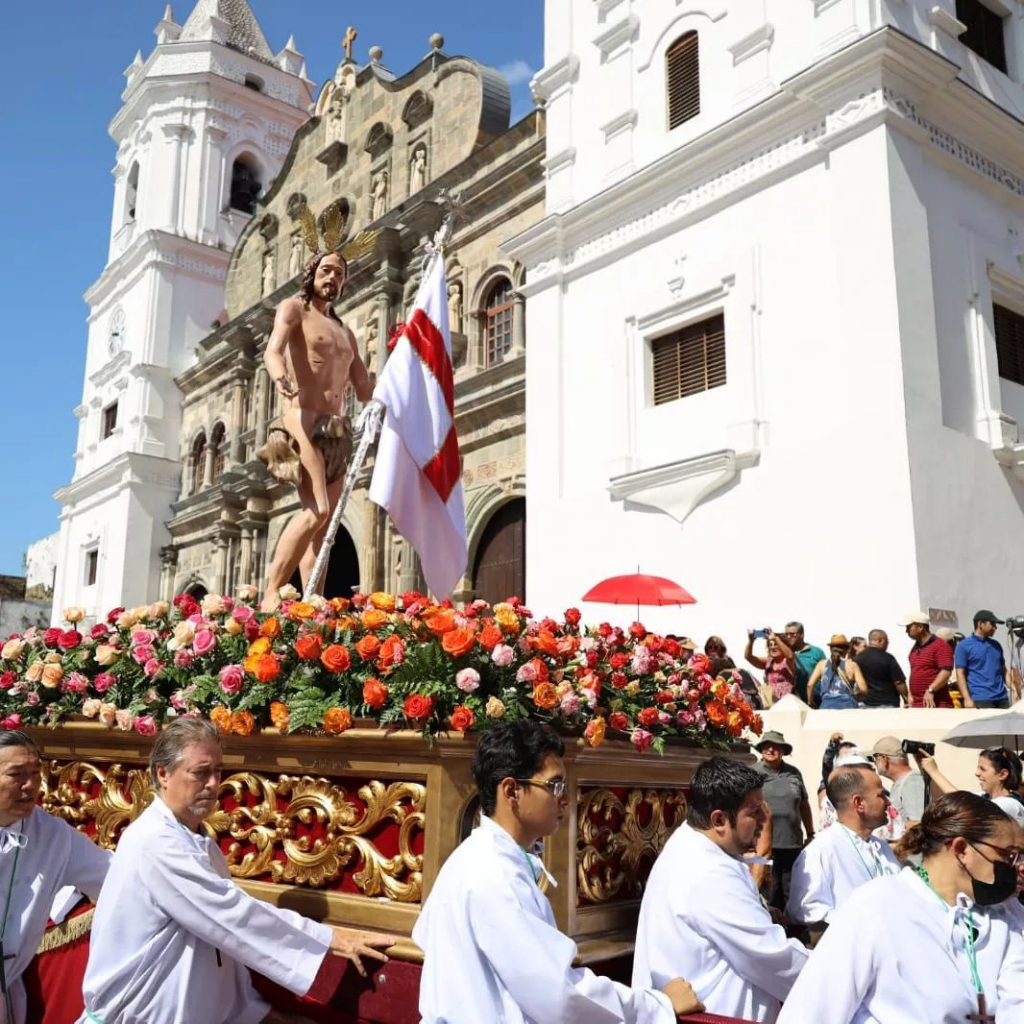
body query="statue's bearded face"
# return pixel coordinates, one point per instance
(330, 277)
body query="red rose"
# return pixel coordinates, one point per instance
(309, 646)
(617, 720)
(113, 614)
(69, 639)
(418, 707)
(671, 647)
(618, 660)
(462, 718)
(604, 630)
(52, 636)
(375, 693)
(619, 680)
(572, 616)
(648, 717)
(7, 680)
(98, 632)
(664, 697)
(638, 630)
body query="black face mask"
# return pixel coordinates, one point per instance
(1002, 886)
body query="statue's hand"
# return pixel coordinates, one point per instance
(286, 386)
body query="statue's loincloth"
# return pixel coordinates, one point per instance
(331, 434)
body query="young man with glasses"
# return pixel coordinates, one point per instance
(492, 951)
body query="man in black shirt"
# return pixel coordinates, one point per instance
(882, 672)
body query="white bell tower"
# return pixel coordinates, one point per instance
(205, 124)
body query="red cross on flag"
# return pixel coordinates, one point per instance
(417, 473)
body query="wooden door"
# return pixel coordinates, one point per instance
(500, 568)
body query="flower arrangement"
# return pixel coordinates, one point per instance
(402, 661)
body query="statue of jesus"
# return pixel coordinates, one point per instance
(312, 359)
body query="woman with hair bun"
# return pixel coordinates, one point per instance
(937, 944)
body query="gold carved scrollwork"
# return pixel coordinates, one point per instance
(620, 836)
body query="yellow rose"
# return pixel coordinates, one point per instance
(35, 672)
(140, 611)
(74, 614)
(126, 620)
(385, 602)
(53, 658)
(159, 610)
(632, 688)
(184, 634)
(52, 675)
(506, 616)
(12, 650)
(260, 646)
(233, 627)
(105, 654)
(494, 708)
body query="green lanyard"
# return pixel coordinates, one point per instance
(969, 949)
(529, 864)
(877, 872)
(8, 1006)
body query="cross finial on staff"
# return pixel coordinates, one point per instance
(982, 1016)
(350, 37)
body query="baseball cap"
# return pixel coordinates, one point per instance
(986, 616)
(890, 746)
(854, 759)
(919, 618)
(1011, 807)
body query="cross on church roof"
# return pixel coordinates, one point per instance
(350, 37)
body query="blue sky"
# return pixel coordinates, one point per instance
(61, 80)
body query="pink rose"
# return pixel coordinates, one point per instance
(204, 642)
(143, 654)
(467, 680)
(143, 637)
(570, 703)
(242, 613)
(103, 681)
(252, 630)
(183, 659)
(502, 655)
(145, 726)
(124, 719)
(231, 678)
(74, 683)
(642, 739)
(32, 698)
(178, 701)
(152, 668)
(91, 707)
(527, 673)
(11, 722)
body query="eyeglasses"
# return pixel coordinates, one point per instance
(556, 787)
(1011, 856)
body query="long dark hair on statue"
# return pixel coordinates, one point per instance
(307, 291)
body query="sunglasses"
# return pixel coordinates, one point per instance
(556, 787)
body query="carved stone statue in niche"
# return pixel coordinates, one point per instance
(455, 306)
(372, 342)
(269, 272)
(379, 194)
(418, 169)
(336, 115)
(295, 256)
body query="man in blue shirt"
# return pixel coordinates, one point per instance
(981, 668)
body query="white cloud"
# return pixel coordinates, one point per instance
(517, 72)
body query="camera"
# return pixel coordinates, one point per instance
(762, 634)
(918, 746)
(1015, 623)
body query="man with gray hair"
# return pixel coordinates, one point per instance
(39, 855)
(907, 793)
(173, 934)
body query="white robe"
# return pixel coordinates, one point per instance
(896, 953)
(834, 864)
(492, 951)
(701, 919)
(55, 855)
(173, 934)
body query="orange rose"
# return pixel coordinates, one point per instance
(545, 696)
(308, 647)
(392, 652)
(374, 618)
(544, 642)
(336, 658)
(595, 731)
(279, 715)
(418, 707)
(340, 604)
(734, 723)
(592, 682)
(440, 620)
(300, 610)
(457, 642)
(567, 646)
(385, 602)
(716, 713)
(221, 718)
(242, 723)
(490, 636)
(271, 628)
(648, 717)
(345, 623)
(337, 720)
(368, 648)
(261, 646)
(541, 669)
(375, 693)
(267, 668)
(462, 718)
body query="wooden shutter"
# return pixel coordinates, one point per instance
(689, 361)
(984, 33)
(683, 78)
(1009, 343)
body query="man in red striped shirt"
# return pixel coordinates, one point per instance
(931, 664)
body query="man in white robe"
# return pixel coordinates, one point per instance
(701, 916)
(39, 856)
(173, 935)
(492, 951)
(842, 858)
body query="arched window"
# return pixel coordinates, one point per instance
(197, 462)
(498, 312)
(131, 195)
(254, 82)
(218, 450)
(245, 184)
(682, 79)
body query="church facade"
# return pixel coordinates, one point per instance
(379, 148)
(779, 286)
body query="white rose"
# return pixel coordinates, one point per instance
(74, 614)
(288, 593)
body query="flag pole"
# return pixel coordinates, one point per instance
(372, 416)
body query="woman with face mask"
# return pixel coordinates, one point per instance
(936, 944)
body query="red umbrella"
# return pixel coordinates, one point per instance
(638, 588)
